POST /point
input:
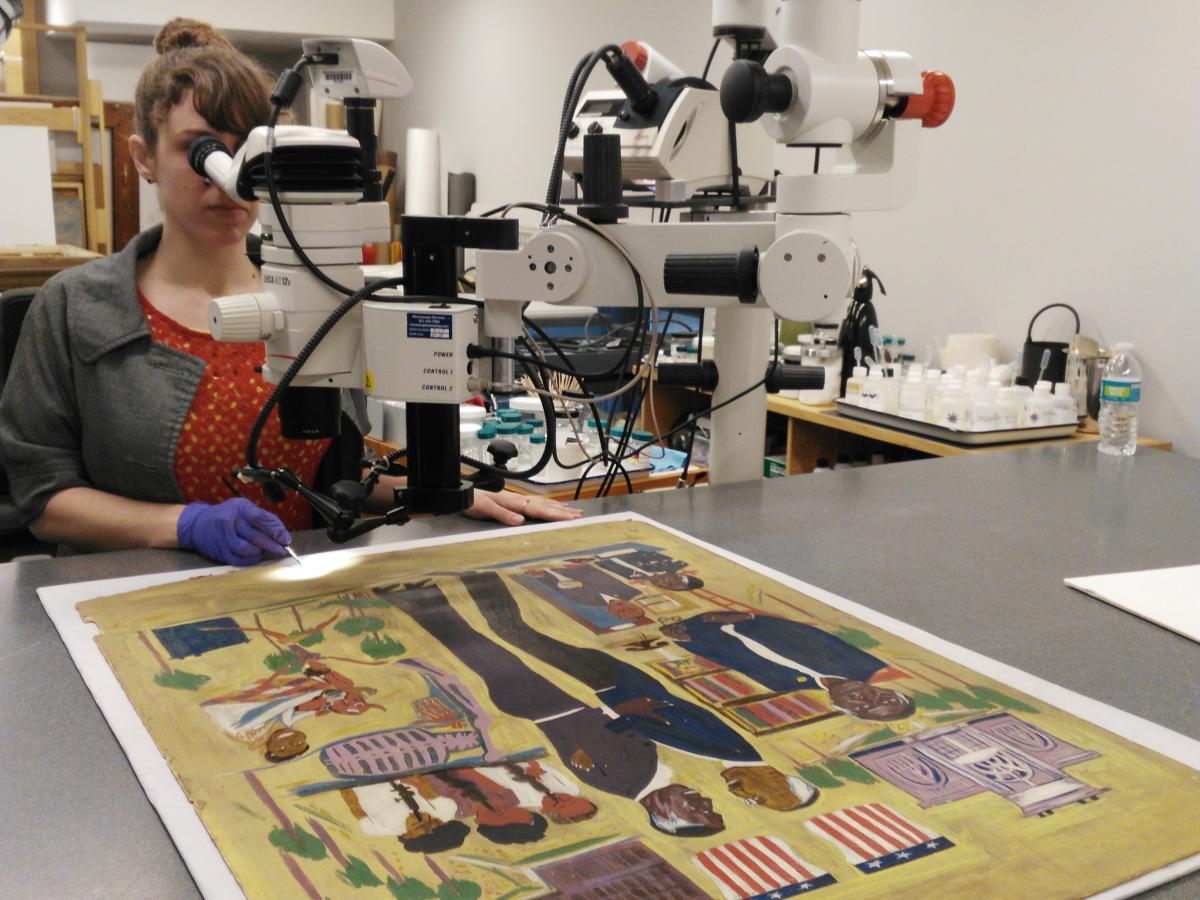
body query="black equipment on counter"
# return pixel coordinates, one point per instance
(856, 327)
(1031, 356)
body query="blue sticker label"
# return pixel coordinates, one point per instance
(1120, 391)
(430, 325)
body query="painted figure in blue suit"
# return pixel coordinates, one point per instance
(643, 564)
(784, 655)
(640, 704)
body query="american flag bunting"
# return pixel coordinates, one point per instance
(760, 868)
(875, 837)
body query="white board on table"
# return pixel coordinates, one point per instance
(25, 193)
(1166, 597)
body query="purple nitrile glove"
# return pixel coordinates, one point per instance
(235, 532)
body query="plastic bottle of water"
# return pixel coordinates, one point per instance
(1120, 393)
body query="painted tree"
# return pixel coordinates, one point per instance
(170, 677)
(376, 643)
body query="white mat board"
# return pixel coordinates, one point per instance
(1166, 597)
(25, 186)
(208, 867)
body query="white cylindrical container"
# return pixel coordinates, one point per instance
(891, 395)
(468, 443)
(872, 390)
(529, 407)
(422, 173)
(912, 397)
(984, 413)
(1008, 408)
(952, 409)
(471, 414)
(1065, 410)
(830, 359)
(854, 384)
(1039, 407)
(933, 380)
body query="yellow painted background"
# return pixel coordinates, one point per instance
(1145, 820)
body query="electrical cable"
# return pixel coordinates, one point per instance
(302, 357)
(735, 186)
(634, 400)
(708, 64)
(644, 369)
(571, 419)
(276, 108)
(699, 393)
(579, 77)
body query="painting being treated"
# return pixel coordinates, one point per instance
(610, 710)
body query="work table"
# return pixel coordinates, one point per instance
(973, 549)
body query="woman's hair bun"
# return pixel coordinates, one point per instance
(181, 33)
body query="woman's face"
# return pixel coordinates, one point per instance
(201, 210)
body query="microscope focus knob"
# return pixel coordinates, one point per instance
(244, 318)
(713, 274)
(934, 105)
(747, 91)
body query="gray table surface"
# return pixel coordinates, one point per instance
(972, 549)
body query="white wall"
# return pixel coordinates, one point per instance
(1068, 171)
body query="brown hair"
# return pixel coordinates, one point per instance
(230, 90)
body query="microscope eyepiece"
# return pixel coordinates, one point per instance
(201, 149)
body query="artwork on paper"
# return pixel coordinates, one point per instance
(609, 709)
(761, 866)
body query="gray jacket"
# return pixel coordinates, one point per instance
(91, 401)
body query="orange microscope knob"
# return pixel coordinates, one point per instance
(934, 105)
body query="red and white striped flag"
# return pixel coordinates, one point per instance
(762, 867)
(875, 837)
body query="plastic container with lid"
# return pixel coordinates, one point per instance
(817, 354)
(1065, 410)
(891, 395)
(1038, 410)
(984, 412)
(912, 396)
(1120, 396)
(872, 390)
(483, 437)
(1008, 407)
(528, 407)
(469, 412)
(854, 384)
(952, 407)
(537, 446)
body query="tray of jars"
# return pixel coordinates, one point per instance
(952, 434)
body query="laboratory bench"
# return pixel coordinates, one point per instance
(810, 433)
(971, 548)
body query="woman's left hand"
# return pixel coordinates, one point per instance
(511, 508)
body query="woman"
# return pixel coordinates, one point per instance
(122, 418)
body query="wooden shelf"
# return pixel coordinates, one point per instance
(818, 432)
(30, 266)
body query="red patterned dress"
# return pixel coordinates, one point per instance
(213, 440)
